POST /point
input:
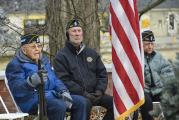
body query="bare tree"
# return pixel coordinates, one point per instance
(60, 11)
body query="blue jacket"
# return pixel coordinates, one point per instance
(17, 72)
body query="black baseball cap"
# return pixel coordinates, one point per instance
(29, 38)
(148, 36)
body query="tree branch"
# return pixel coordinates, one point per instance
(150, 6)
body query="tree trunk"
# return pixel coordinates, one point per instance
(60, 11)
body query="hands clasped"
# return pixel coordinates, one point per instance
(94, 97)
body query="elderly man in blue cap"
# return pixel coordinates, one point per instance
(82, 70)
(23, 79)
(157, 71)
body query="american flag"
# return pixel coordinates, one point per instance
(127, 58)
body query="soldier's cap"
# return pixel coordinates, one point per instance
(73, 23)
(29, 38)
(148, 35)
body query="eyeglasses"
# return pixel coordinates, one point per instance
(35, 45)
(148, 43)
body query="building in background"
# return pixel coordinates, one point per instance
(164, 22)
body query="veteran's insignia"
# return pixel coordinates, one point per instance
(89, 59)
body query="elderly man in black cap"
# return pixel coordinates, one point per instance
(157, 71)
(82, 70)
(23, 79)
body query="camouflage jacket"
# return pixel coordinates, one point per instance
(157, 71)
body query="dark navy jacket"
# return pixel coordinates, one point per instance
(80, 70)
(17, 72)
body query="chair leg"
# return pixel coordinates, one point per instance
(4, 105)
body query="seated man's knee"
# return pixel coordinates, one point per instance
(107, 102)
(55, 105)
(81, 101)
(148, 102)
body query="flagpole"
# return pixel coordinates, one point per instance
(41, 95)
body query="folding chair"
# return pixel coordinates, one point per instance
(7, 115)
(157, 111)
(11, 116)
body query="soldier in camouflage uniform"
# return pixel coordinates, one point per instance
(157, 70)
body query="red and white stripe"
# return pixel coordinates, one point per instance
(127, 57)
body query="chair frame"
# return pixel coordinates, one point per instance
(8, 115)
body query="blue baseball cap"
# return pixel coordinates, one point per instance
(29, 38)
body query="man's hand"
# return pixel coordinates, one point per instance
(65, 96)
(34, 80)
(68, 100)
(90, 96)
(98, 94)
(44, 74)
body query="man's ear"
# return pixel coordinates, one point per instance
(67, 35)
(23, 49)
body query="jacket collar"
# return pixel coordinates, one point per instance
(23, 58)
(73, 49)
(149, 56)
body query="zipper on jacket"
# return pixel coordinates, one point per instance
(83, 82)
(150, 71)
